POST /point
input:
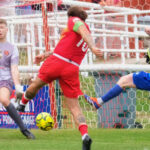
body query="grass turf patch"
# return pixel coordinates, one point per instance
(103, 139)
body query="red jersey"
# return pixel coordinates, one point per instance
(71, 44)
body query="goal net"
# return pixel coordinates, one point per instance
(35, 26)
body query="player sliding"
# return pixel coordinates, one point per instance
(63, 65)
(9, 58)
(140, 80)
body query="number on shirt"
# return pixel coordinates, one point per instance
(84, 45)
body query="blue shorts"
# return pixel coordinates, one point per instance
(142, 80)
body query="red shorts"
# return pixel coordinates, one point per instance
(68, 75)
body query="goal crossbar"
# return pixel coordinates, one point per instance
(95, 67)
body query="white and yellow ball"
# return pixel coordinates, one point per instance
(44, 121)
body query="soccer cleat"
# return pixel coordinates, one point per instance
(21, 108)
(93, 101)
(86, 145)
(28, 134)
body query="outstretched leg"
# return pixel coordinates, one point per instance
(30, 93)
(124, 82)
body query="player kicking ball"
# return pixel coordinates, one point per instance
(63, 65)
(140, 80)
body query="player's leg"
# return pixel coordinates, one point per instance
(124, 82)
(5, 100)
(74, 107)
(69, 82)
(30, 93)
(47, 73)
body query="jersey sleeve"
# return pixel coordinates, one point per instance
(15, 56)
(74, 23)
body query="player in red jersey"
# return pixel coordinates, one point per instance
(63, 65)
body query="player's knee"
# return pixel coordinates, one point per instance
(81, 119)
(5, 102)
(123, 81)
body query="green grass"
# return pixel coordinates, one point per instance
(142, 100)
(103, 139)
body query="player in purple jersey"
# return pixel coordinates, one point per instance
(139, 80)
(9, 75)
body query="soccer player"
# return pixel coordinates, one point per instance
(63, 65)
(9, 74)
(140, 80)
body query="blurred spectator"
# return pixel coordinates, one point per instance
(113, 2)
(6, 11)
(98, 1)
(63, 7)
(22, 10)
(49, 6)
(38, 7)
(86, 0)
(104, 2)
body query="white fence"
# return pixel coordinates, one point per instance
(109, 30)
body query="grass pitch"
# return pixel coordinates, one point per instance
(65, 139)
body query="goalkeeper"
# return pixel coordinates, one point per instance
(140, 80)
(64, 66)
(9, 58)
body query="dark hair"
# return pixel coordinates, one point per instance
(76, 11)
(3, 21)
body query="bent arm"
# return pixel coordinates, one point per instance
(47, 54)
(41, 57)
(15, 77)
(86, 35)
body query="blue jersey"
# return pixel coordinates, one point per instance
(142, 80)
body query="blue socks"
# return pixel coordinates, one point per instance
(113, 92)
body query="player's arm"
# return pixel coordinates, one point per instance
(15, 77)
(41, 57)
(147, 30)
(15, 72)
(148, 56)
(81, 29)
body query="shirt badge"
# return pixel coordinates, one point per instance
(6, 52)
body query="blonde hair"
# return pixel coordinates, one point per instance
(3, 21)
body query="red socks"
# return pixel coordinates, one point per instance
(83, 128)
(24, 99)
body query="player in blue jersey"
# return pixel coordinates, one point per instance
(9, 75)
(140, 80)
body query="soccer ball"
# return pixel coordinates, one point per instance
(44, 121)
